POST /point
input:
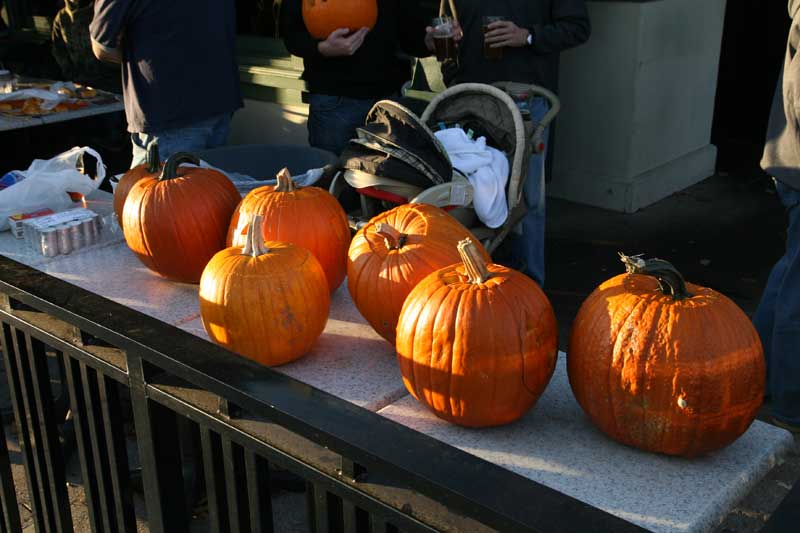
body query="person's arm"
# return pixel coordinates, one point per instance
(570, 27)
(300, 43)
(412, 34)
(107, 27)
(60, 48)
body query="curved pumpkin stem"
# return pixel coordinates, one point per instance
(170, 171)
(394, 239)
(153, 161)
(670, 281)
(285, 181)
(254, 245)
(476, 267)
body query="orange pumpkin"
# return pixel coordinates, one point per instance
(323, 17)
(477, 342)
(394, 252)
(150, 168)
(664, 365)
(267, 301)
(308, 217)
(176, 222)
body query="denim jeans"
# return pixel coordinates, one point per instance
(527, 241)
(777, 318)
(332, 120)
(201, 135)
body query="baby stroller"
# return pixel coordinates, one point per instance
(396, 158)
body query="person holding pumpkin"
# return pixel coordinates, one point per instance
(777, 318)
(347, 70)
(179, 74)
(522, 46)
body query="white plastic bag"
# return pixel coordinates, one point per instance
(47, 183)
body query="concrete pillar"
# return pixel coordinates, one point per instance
(638, 103)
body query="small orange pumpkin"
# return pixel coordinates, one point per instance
(323, 17)
(267, 301)
(150, 168)
(664, 365)
(394, 252)
(308, 217)
(176, 222)
(477, 342)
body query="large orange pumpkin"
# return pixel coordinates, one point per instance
(323, 17)
(176, 222)
(394, 252)
(477, 343)
(309, 217)
(150, 168)
(664, 365)
(267, 301)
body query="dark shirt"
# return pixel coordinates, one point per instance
(556, 25)
(377, 69)
(179, 64)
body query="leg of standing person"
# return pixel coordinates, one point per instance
(332, 120)
(191, 138)
(528, 238)
(778, 319)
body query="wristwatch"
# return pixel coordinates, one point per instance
(530, 37)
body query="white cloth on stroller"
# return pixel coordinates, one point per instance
(486, 169)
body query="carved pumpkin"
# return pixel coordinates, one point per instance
(323, 17)
(394, 252)
(150, 168)
(477, 342)
(267, 301)
(308, 217)
(176, 222)
(664, 365)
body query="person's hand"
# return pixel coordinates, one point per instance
(342, 43)
(458, 34)
(506, 33)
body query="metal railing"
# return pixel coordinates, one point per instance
(67, 349)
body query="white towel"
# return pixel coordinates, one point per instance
(487, 170)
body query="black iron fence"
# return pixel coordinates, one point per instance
(199, 412)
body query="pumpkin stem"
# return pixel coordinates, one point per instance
(476, 267)
(254, 245)
(670, 281)
(170, 170)
(153, 161)
(285, 181)
(394, 239)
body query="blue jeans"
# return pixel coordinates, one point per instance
(777, 318)
(332, 120)
(527, 241)
(202, 135)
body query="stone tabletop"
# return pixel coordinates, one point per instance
(556, 445)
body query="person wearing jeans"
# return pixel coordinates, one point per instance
(777, 318)
(351, 69)
(180, 80)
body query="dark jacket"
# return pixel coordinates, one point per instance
(556, 25)
(377, 69)
(782, 149)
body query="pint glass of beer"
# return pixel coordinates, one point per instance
(492, 54)
(444, 38)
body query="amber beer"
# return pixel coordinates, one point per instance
(444, 38)
(492, 54)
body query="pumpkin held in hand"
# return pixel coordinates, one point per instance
(267, 301)
(149, 169)
(477, 342)
(394, 252)
(664, 365)
(323, 17)
(177, 221)
(308, 217)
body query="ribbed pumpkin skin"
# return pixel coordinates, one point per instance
(323, 17)
(477, 355)
(675, 377)
(128, 180)
(379, 279)
(308, 217)
(176, 226)
(271, 308)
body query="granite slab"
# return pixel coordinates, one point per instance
(556, 445)
(350, 360)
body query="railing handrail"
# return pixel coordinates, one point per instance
(435, 469)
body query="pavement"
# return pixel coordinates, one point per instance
(725, 232)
